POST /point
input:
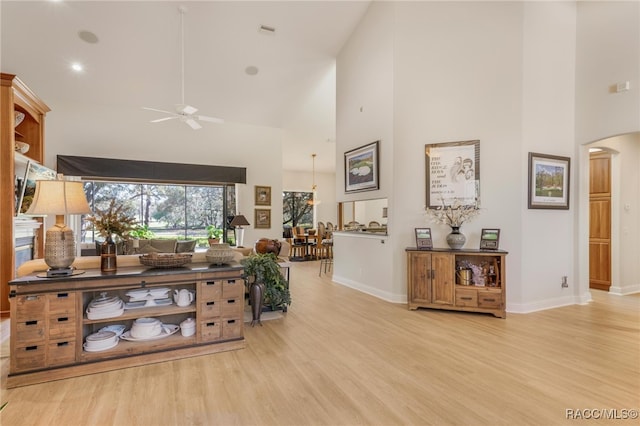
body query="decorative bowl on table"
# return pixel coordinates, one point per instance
(219, 254)
(165, 260)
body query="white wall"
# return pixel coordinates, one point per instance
(458, 73)
(71, 131)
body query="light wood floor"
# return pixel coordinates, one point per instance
(341, 357)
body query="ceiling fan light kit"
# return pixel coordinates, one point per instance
(184, 112)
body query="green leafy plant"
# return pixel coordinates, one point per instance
(113, 221)
(265, 268)
(213, 232)
(142, 232)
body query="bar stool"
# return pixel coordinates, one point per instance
(326, 260)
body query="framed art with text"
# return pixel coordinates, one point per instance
(548, 181)
(452, 173)
(262, 218)
(423, 239)
(362, 168)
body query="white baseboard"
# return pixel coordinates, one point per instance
(381, 294)
(541, 305)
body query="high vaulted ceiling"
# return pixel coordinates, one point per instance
(136, 60)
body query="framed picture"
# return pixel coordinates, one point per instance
(34, 172)
(452, 173)
(548, 181)
(263, 195)
(423, 239)
(262, 218)
(362, 168)
(489, 239)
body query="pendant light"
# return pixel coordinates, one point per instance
(313, 201)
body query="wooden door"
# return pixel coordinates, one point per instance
(420, 278)
(600, 221)
(442, 283)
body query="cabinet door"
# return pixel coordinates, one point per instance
(442, 282)
(420, 278)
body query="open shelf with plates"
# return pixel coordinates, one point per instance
(56, 316)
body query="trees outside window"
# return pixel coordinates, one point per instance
(297, 209)
(167, 210)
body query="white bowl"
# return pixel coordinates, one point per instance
(22, 147)
(143, 328)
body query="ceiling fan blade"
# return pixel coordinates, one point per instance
(186, 109)
(163, 119)
(193, 123)
(210, 119)
(158, 110)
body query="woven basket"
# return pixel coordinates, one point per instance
(165, 260)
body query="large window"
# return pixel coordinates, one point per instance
(297, 209)
(166, 210)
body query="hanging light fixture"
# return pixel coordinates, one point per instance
(313, 200)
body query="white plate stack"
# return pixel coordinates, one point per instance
(101, 341)
(145, 297)
(105, 306)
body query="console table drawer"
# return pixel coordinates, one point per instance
(64, 303)
(211, 308)
(466, 297)
(489, 299)
(29, 357)
(210, 290)
(210, 330)
(232, 288)
(30, 331)
(29, 307)
(61, 326)
(232, 307)
(61, 352)
(231, 327)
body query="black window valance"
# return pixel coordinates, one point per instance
(150, 171)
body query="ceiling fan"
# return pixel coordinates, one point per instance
(185, 113)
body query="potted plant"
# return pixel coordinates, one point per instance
(214, 234)
(268, 286)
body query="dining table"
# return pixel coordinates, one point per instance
(307, 243)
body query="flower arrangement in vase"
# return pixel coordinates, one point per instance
(454, 215)
(109, 223)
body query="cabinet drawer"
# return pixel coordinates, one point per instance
(29, 307)
(231, 327)
(64, 303)
(466, 297)
(211, 308)
(61, 325)
(210, 330)
(61, 352)
(29, 357)
(489, 299)
(30, 331)
(232, 307)
(232, 288)
(210, 290)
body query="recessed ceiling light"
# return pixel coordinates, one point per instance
(88, 36)
(251, 70)
(77, 67)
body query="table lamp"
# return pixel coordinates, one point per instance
(59, 197)
(238, 222)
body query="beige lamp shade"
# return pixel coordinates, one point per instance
(59, 197)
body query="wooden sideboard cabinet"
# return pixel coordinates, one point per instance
(434, 280)
(49, 323)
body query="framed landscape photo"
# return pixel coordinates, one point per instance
(262, 219)
(548, 181)
(452, 173)
(423, 239)
(263, 196)
(34, 172)
(362, 168)
(489, 239)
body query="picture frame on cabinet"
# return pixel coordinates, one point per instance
(262, 219)
(549, 177)
(452, 173)
(262, 195)
(489, 239)
(34, 172)
(423, 239)
(362, 168)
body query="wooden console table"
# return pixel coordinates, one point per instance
(49, 324)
